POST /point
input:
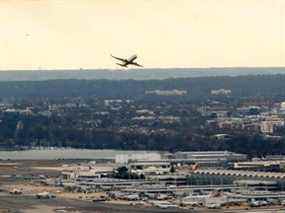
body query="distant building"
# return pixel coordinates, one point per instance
(143, 118)
(210, 158)
(270, 124)
(174, 92)
(145, 112)
(169, 119)
(219, 114)
(251, 126)
(282, 105)
(257, 184)
(125, 158)
(230, 123)
(150, 167)
(268, 166)
(267, 127)
(281, 108)
(249, 110)
(113, 102)
(85, 172)
(221, 92)
(275, 158)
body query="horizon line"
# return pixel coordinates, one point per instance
(145, 68)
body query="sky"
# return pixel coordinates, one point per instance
(72, 34)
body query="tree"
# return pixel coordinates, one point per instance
(122, 172)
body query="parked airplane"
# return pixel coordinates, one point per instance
(129, 61)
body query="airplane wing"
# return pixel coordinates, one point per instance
(122, 65)
(136, 64)
(121, 59)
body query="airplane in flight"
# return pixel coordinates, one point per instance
(127, 62)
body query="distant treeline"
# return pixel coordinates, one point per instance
(137, 74)
(260, 86)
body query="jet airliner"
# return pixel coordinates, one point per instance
(126, 62)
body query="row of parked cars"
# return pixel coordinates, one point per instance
(139, 196)
(266, 202)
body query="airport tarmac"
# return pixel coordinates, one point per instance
(30, 204)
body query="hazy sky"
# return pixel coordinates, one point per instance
(164, 33)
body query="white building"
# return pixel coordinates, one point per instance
(125, 158)
(282, 105)
(86, 171)
(268, 126)
(174, 92)
(221, 92)
(150, 167)
(210, 157)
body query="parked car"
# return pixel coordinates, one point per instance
(16, 191)
(45, 195)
